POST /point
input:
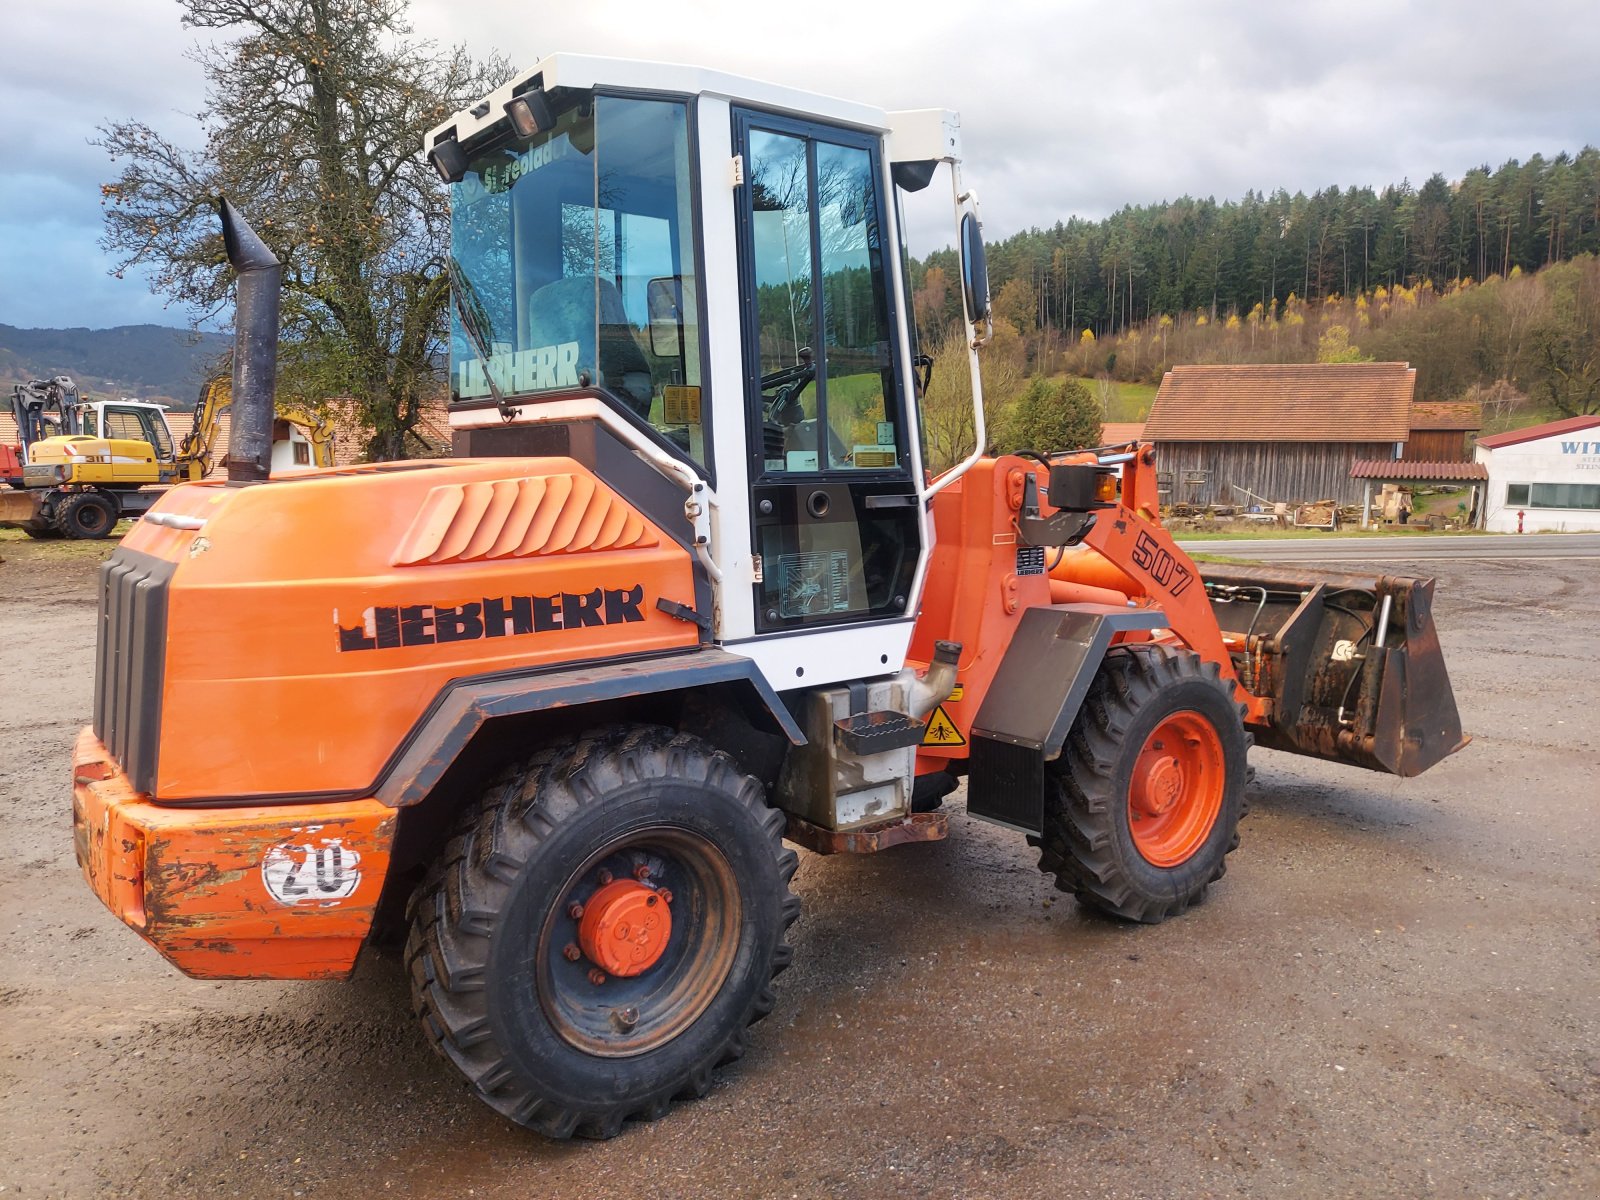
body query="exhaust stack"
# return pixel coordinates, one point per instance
(255, 348)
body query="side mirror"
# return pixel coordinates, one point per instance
(974, 269)
(664, 301)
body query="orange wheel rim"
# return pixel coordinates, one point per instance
(1176, 790)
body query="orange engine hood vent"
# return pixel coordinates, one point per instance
(514, 518)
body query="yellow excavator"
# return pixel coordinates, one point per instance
(113, 459)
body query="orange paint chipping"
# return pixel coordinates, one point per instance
(191, 881)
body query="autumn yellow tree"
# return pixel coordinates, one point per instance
(949, 429)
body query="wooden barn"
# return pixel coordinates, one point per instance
(1278, 431)
(1442, 432)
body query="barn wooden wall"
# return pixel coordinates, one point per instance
(1291, 471)
(1436, 445)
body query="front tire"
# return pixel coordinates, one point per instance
(601, 929)
(1143, 805)
(86, 516)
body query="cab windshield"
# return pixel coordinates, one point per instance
(574, 257)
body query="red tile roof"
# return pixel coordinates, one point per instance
(1447, 414)
(182, 422)
(1534, 432)
(430, 438)
(1114, 433)
(1388, 471)
(1284, 402)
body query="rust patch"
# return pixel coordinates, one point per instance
(191, 880)
(869, 839)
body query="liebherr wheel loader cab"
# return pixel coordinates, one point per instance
(685, 591)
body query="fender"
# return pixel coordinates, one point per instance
(469, 704)
(1033, 701)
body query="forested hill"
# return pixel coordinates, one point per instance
(1227, 257)
(146, 361)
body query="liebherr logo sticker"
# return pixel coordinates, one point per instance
(324, 874)
(500, 616)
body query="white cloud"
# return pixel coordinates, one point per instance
(1072, 108)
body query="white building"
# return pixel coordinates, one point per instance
(1549, 475)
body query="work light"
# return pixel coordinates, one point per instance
(449, 159)
(530, 113)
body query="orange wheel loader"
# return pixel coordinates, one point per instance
(685, 592)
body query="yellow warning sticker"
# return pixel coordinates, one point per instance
(957, 692)
(941, 730)
(680, 405)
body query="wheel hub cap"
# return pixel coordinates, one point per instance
(1162, 785)
(625, 928)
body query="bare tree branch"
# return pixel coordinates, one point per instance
(313, 125)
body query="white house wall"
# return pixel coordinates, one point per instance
(1559, 458)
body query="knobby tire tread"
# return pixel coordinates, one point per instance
(453, 913)
(1081, 800)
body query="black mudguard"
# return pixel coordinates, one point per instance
(1033, 701)
(468, 705)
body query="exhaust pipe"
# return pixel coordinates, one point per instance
(255, 348)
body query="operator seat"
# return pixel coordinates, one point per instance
(564, 311)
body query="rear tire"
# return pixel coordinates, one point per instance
(502, 969)
(1143, 805)
(86, 516)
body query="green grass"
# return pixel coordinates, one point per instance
(1125, 402)
(1443, 503)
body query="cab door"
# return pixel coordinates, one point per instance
(138, 426)
(834, 503)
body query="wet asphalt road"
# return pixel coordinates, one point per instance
(1394, 992)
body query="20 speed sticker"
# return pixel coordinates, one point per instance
(324, 874)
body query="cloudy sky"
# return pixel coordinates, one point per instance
(1067, 108)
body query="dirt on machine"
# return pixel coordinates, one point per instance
(83, 465)
(556, 710)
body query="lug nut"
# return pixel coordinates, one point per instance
(642, 872)
(666, 896)
(605, 877)
(624, 1018)
(596, 976)
(571, 953)
(575, 910)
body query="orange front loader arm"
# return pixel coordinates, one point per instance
(1155, 570)
(987, 578)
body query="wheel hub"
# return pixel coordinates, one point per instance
(1176, 788)
(1161, 786)
(625, 928)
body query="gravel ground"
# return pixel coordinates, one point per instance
(1395, 992)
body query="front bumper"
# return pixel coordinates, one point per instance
(267, 892)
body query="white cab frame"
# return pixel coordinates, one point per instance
(721, 515)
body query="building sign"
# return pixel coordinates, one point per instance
(1586, 454)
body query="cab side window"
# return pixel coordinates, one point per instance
(124, 425)
(823, 351)
(834, 508)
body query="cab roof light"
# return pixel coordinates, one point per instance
(530, 113)
(449, 159)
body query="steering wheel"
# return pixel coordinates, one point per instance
(784, 406)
